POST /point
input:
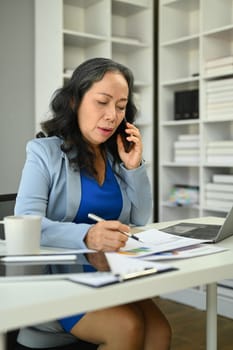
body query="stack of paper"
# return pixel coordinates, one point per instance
(219, 66)
(219, 192)
(187, 148)
(219, 95)
(219, 152)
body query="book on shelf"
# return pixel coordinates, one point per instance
(216, 94)
(219, 98)
(219, 61)
(187, 144)
(220, 105)
(220, 112)
(219, 195)
(210, 186)
(219, 94)
(223, 178)
(219, 204)
(220, 143)
(220, 159)
(216, 117)
(219, 115)
(220, 151)
(228, 69)
(191, 151)
(186, 155)
(216, 89)
(189, 137)
(220, 109)
(186, 159)
(219, 83)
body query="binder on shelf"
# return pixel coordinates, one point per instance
(186, 104)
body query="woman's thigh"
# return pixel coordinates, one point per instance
(157, 330)
(117, 325)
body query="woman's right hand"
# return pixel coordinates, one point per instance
(105, 236)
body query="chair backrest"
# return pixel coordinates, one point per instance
(7, 204)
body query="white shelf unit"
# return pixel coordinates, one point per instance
(192, 33)
(83, 29)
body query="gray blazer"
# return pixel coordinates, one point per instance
(50, 188)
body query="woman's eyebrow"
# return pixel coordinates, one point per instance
(108, 95)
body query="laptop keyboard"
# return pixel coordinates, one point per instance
(203, 233)
(194, 231)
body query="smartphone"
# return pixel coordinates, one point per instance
(121, 130)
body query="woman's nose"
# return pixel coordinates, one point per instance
(110, 113)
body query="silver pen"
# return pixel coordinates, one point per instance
(98, 219)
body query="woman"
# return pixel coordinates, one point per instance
(83, 166)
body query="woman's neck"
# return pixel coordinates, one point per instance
(100, 165)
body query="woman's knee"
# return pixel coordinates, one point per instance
(131, 322)
(118, 325)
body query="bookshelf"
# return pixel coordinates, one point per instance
(117, 29)
(196, 53)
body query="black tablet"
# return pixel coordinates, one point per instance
(49, 264)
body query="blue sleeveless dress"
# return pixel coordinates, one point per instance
(103, 200)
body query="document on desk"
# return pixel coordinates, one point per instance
(185, 252)
(122, 268)
(156, 241)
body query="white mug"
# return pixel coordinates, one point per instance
(22, 234)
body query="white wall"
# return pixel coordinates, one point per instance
(16, 88)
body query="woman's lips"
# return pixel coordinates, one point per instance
(105, 131)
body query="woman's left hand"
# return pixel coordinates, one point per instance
(133, 158)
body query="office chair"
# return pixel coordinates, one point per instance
(12, 344)
(81, 345)
(7, 203)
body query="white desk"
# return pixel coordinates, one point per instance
(25, 303)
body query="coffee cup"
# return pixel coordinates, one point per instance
(22, 234)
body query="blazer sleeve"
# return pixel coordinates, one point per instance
(138, 190)
(40, 172)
